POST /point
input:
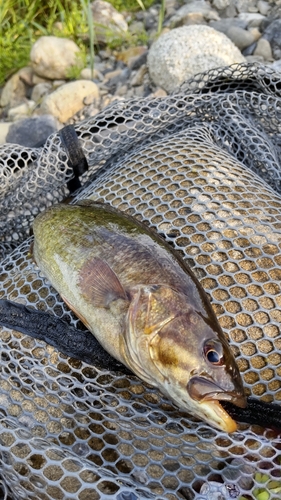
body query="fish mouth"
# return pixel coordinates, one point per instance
(208, 394)
(202, 389)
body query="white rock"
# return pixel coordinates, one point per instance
(13, 92)
(68, 99)
(109, 23)
(53, 57)
(23, 110)
(263, 7)
(253, 18)
(4, 129)
(184, 52)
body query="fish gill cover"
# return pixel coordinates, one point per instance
(201, 166)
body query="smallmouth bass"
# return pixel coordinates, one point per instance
(142, 303)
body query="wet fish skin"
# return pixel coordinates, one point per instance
(142, 303)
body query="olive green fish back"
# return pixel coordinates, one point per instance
(202, 167)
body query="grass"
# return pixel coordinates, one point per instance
(22, 22)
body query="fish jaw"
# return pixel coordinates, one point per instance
(208, 410)
(217, 416)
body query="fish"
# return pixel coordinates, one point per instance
(143, 304)
(82, 345)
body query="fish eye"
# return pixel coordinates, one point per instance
(213, 352)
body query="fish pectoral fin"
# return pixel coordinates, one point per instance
(99, 283)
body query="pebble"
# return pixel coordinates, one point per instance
(240, 37)
(203, 48)
(137, 79)
(252, 28)
(273, 34)
(263, 49)
(263, 7)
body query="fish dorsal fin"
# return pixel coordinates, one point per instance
(99, 283)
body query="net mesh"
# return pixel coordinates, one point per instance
(202, 167)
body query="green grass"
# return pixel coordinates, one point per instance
(22, 22)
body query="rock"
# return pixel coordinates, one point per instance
(264, 49)
(223, 25)
(131, 54)
(14, 91)
(39, 79)
(109, 24)
(251, 19)
(198, 6)
(220, 4)
(32, 132)
(276, 65)
(53, 57)
(273, 34)
(24, 109)
(58, 83)
(159, 93)
(137, 79)
(26, 75)
(4, 129)
(263, 7)
(68, 99)
(246, 6)
(240, 37)
(86, 74)
(40, 90)
(184, 52)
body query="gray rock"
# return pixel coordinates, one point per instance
(249, 50)
(109, 23)
(31, 132)
(54, 58)
(263, 49)
(240, 37)
(68, 99)
(223, 25)
(183, 52)
(273, 34)
(263, 7)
